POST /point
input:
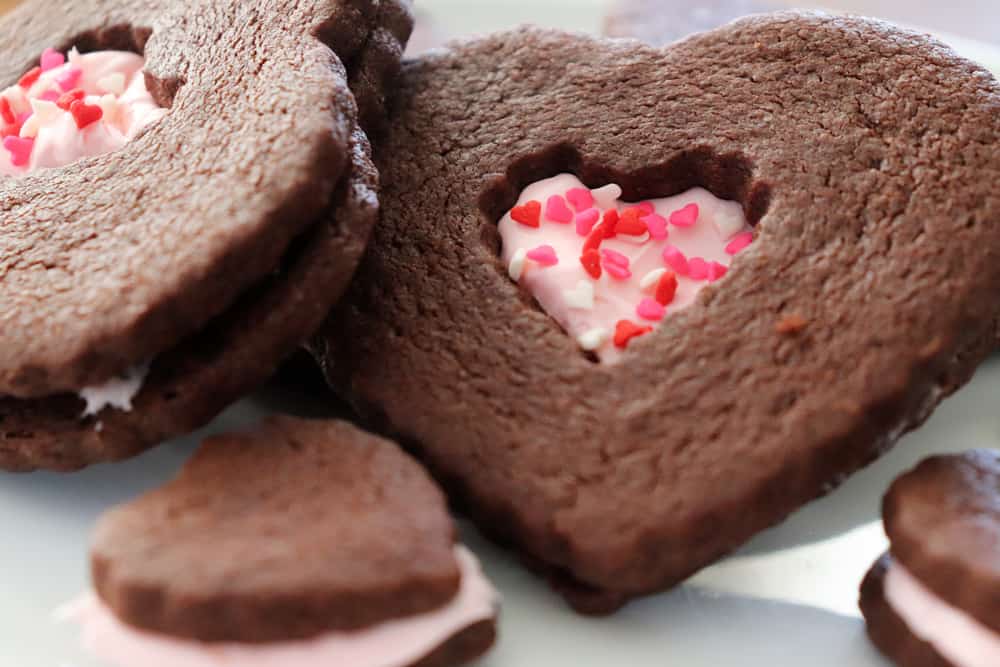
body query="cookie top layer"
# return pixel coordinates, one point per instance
(111, 260)
(943, 522)
(660, 22)
(285, 532)
(865, 156)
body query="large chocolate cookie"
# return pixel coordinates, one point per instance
(660, 22)
(933, 600)
(324, 535)
(864, 156)
(190, 383)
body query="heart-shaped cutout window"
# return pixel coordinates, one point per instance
(609, 271)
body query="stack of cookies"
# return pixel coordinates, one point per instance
(629, 304)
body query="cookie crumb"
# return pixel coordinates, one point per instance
(791, 324)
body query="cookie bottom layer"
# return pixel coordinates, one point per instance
(458, 632)
(887, 630)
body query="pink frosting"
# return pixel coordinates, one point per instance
(958, 637)
(46, 132)
(391, 644)
(693, 236)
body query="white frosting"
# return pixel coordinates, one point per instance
(115, 393)
(394, 643)
(958, 637)
(590, 316)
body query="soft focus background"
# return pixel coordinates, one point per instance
(787, 599)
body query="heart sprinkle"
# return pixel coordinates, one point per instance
(626, 330)
(69, 78)
(19, 149)
(629, 277)
(85, 114)
(51, 59)
(30, 77)
(586, 220)
(544, 255)
(739, 242)
(651, 309)
(528, 214)
(580, 198)
(557, 211)
(686, 217)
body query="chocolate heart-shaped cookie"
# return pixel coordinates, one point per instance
(193, 378)
(296, 543)
(863, 156)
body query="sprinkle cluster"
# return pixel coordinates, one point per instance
(45, 93)
(636, 224)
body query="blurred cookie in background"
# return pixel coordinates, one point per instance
(660, 22)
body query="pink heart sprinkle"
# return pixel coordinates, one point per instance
(651, 309)
(50, 96)
(739, 242)
(585, 221)
(716, 271)
(676, 260)
(68, 79)
(697, 268)
(646, 207)
(557, 211)
(52, 59)
(19, 149)
(616, 258)
(544, 255)
(616, 271)
(657, 226)
(580, 198)
(686, 217)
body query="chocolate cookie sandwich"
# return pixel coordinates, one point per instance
(329, 546)
(633, 306)
(660, 22)
(189, 191)
(932, 601)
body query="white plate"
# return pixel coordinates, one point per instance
(788, 598)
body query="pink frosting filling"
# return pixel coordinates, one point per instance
(71, 108)
(391, 644)
(958, 637)
(625, 285)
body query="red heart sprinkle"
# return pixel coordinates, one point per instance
(29, 79)
(591, 261)
(666, 288)
(610, 223)
(529, 214)
(6, 112)
(625, 331)
(85, 114)
(593, 241)
(630, 223)
(66, 100)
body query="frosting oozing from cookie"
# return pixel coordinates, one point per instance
(958, 637)
(390, 644)
(70, 108)
(609, 271)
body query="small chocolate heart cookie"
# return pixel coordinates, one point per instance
(634, 305)
(325, 546)
(187, 382)
(934, 599)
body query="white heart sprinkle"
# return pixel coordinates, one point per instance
(109, 108)
(607, 196)
(74, 56)
(651, 279)
(592, 339)
(30, 128)
(580, 297)
(516, 267)
(112, 83)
